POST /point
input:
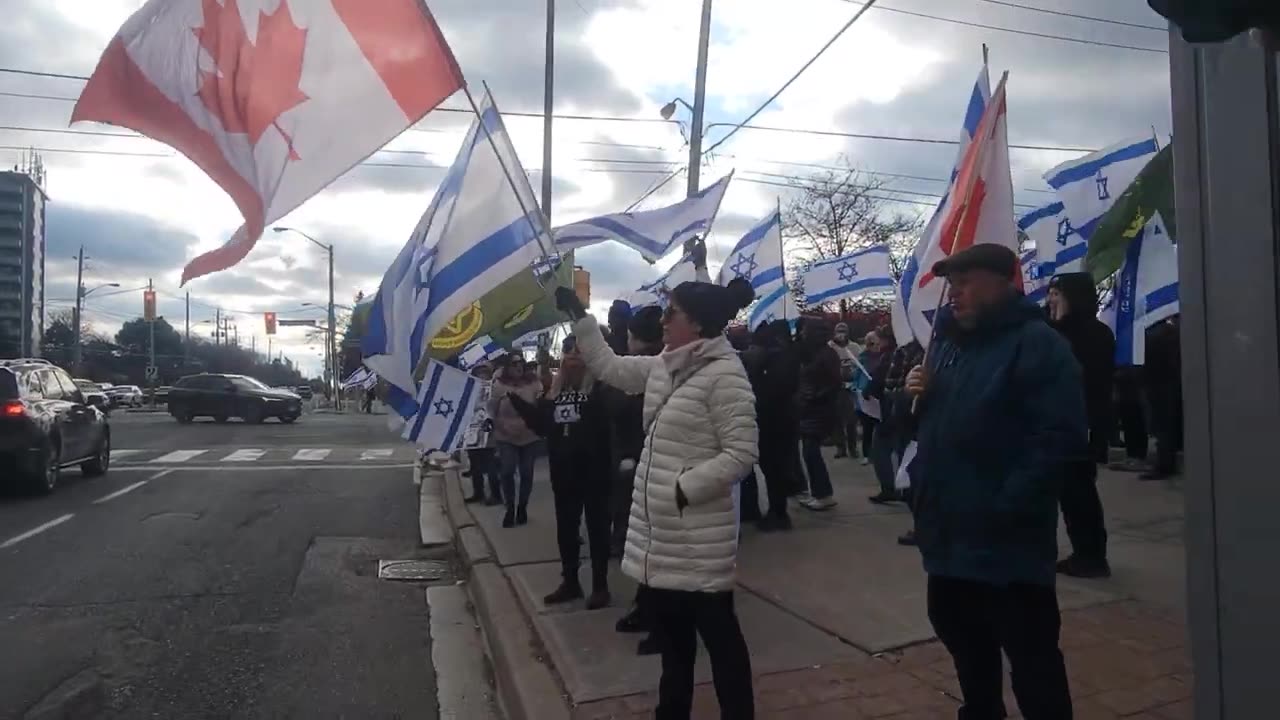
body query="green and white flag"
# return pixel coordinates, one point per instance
(1150, 193)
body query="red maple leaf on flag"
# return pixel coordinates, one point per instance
(252, 83)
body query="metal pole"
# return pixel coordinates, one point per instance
(699, 99)
(152, 352)
(186, 343)
(548, 91)
(75, 315)
(217, 327)
(333, 344)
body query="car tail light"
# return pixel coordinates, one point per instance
(13, 408)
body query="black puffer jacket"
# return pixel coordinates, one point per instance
(820, 382)
(774, 372)
(1092, 343)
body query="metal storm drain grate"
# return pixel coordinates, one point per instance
(414, 570)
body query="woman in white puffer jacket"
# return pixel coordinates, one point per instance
(700, 441)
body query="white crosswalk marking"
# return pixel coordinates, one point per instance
(312, 454)
(179, 456)
(376, 454)
(245, 455)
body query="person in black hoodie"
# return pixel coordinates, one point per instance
(774, 372)
(819, 388)
(573, 417)
(1073, 311)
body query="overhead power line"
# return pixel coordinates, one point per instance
(1030, 33)
(1077, 16)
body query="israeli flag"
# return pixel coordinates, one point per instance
(856, 273)
(757, 257)
(446, 402)
(476, 234)
(1035, 282)
(1089, 186)
(1146, 291)
(480, 350)
(652, 233)
(776, 303)
(656, 292)
(1060, 248)
(358, 378)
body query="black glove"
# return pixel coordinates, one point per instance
(568, 301)
(488, 425)
(696, 248)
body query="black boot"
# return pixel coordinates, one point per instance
(632, 622)
(494, 501)
(474, 498)
(509, 520)
(522, 518)
(773, 522)
(599, 599)
(1076, 566)
(649, 646)
(567, 592)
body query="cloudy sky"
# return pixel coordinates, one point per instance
(141, 211)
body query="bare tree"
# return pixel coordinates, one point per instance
(836, 212)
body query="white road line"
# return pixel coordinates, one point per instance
(122, 491)
(178, 456)
(312, 454)
(245, 455)
(117, 454)
(376, 454)
(35, 531)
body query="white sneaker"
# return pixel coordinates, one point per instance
(864, 461)
(819, 504)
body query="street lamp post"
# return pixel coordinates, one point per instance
(333, 346)
(81, 294)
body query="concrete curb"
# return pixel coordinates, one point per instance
(433, 523)
(528, 688)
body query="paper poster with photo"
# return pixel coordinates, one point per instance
(476, 436)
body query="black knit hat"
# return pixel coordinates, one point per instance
(712, 306)
(646, 324)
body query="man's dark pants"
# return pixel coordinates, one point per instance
(484, 464)
(1082, 512)
(976, 620)
(575, 497)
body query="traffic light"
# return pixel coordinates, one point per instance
(270, 319)
(149, 305)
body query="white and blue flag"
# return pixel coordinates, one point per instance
(477, 233)
(656, 292)
(652, 233)
(480, 350)
(362, 377)
(1035, 283)
(1089, 186)
(776, 303)
(856, 273)
(757, 258)
(1146, 291)
(1060, 248)
(446, 401)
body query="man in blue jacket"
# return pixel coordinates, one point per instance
(1001, 417)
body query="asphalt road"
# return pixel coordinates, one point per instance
(218, 571)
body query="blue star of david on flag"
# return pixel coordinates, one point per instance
(446, 403)
(444, 408)
(1064, 231)
(745, 265)
(1103, 192)
(848, 271)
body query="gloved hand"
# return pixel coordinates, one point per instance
(568, 301)
(488, 425)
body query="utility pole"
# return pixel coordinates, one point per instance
(186, 342)
(75, 315)
(548, 93)
(699, 99)
(333, 337)
(217, 327)
(152, 328)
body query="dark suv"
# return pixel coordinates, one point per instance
(226, 396)
(46, 425)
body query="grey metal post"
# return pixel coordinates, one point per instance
(699, 99)
(548, 95)
(1225, 118)
(333, 342)
(75, 315)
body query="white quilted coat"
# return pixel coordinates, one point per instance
(700, 433)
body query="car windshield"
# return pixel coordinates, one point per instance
(247, 383)
(86, 386)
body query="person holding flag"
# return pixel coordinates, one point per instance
(1001, 413)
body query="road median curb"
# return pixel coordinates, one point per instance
(528, 687)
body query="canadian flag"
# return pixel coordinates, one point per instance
(274, 99)
(977, 208)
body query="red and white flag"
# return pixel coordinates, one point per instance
(274, 99)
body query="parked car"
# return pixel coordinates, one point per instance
(94, 394)
(47, 424)
(226, 396)
(125, 396)
(304, 392)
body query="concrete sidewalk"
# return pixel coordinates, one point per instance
(834, 614)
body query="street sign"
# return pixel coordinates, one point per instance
(295, 323)
(152, 372)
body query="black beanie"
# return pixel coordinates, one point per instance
(712, 306)
(646, 324)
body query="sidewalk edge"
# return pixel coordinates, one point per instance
(528, 688)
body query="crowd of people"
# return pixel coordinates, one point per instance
(656, 425)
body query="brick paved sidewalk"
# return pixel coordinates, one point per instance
(1124, 662)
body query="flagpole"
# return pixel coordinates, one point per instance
(1155, 137)
(546, 224)
(782, 258)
